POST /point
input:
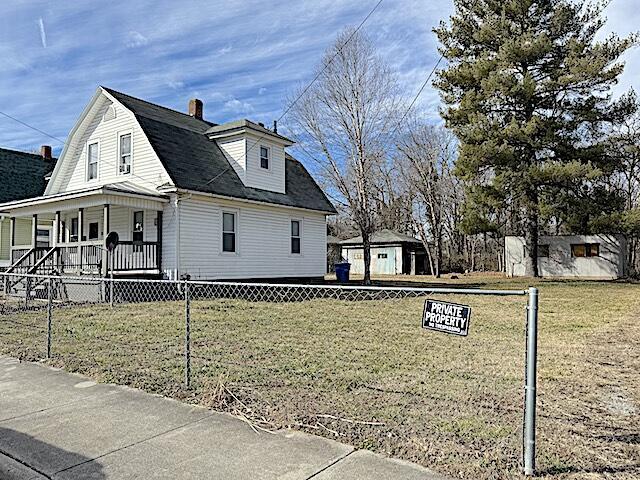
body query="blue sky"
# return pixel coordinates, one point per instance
(241, 58)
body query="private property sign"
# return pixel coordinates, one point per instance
(446, 317)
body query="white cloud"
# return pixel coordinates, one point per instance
(238, 107)
(262, 91)
(175, 84)
(136, 39)
(225, 50)
(43, 34)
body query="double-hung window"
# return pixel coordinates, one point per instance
(92, 161)
(264, 157)
(229, 232)
(124, 162)
(295, 236)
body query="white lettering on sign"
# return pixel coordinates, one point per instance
(446, 317)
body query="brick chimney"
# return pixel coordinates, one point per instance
(45, 151)
(196, 108)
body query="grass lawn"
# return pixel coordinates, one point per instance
(365, 373)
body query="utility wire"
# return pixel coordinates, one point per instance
(288, 109)
(66, 143)
(415, 99)
(32, 128)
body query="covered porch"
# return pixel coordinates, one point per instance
(68, 231)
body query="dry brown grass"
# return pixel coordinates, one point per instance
(366, 373)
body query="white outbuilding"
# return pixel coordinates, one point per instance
(586, 256)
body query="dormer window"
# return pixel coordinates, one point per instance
(92, 161)
(265, 154)
(125, 154)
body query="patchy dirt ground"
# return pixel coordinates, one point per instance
(366, 373)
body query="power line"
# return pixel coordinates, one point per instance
(32, 128)
(301, 94)
(287, 110)
(66, 143)
(415, 99)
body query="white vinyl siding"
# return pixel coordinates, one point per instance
(234, 150)
(147, 170)
(263, 241)
(273, 178)
(385, 260)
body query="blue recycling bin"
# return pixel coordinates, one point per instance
(342, 272)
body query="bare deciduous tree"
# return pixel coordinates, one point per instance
(426, 157)
(345, 117)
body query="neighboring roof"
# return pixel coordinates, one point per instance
(23, 174)
(242, 124)
(383, 237)
(196, 163)
(331, 240)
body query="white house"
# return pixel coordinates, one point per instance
(587, 256)
(186, 196)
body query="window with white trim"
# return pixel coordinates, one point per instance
(229, 232)
(124, 161)
(296, 236)
(92, 161)
(265, 156)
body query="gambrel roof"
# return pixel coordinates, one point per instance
(195, 162)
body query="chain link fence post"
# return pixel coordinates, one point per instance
(49, 314)
(187, 336)
(530, 385)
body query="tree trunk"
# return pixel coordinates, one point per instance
(531, 243)
(438, 262)
(366, 248)
(430, 258)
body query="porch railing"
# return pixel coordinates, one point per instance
(130, 256)
(23, 259)
(86, 258)
(80, 258)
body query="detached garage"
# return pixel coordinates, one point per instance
(392, 253)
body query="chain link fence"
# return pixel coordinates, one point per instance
(348, 362)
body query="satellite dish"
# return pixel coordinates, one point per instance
(112, 241)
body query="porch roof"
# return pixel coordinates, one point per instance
(124, 193)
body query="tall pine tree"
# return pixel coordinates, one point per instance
(528, 94)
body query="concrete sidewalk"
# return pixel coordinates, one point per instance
(56, 425)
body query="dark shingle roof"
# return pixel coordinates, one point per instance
(242, 124)
(196, 163)
(383, 236)
(22, 175)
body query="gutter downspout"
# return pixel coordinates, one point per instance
(178, 198)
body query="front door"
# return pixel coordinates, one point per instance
(138, 230)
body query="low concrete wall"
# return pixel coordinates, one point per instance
(610, 264)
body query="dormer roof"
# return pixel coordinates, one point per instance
(240, 126)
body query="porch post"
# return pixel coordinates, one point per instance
(55, 235)
(12, 232)
(34, 231)
(80, 231)
(159, 242)
(105, 231)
